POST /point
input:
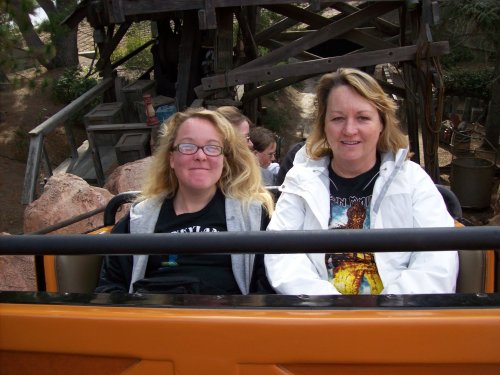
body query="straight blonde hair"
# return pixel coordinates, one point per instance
(391, 139)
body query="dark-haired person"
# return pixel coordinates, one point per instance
(264, 147)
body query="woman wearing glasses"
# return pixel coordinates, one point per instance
(203, 178)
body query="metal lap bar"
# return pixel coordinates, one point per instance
(346, 240)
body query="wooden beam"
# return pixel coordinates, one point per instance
(37, 135)
(304, 56)
(299, 14)
(246, 31)
(362, 37)
(271, 87)
(392, 88)
(187, 44)
(223, 51)
(76, 105)
(132, 54)
(282, 25)
(121, 9)
(116, 11)
(320, 66)
(367, 40)
(207, 18)
(111, 45)
(385, 26)
(328, 32)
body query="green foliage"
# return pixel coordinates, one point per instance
(9, 40)
(262, 50)
(479, 15)
(267, 18)
(135, 38)
(72, 84)
(458, 55)
(469, 82)
(468, 25)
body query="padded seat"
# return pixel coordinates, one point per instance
(80, 273)
(72, 273)
(476, 267)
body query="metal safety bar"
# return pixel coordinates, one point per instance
(272, 242)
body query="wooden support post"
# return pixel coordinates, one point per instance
(96, 157)
(207, 18)
(189, 31)
(251, 108)
(223, 53)
(411, 107)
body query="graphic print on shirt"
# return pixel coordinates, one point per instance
(211, 218)
(171, 259)
(352, 273)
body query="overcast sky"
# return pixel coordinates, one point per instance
(39, 16)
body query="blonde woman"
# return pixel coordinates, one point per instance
(353, 173)
(203, 178)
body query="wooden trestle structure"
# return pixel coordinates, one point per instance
(200, 59)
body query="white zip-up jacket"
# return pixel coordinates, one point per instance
(404, 196)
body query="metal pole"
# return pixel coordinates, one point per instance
(346, 240)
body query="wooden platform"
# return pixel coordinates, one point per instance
(84, 166)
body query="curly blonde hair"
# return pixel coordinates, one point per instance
(241, 178)
(391, 139)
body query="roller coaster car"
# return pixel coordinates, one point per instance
(70, 330)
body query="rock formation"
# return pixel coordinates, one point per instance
(17, 272)
(128, 177)
(66, 196)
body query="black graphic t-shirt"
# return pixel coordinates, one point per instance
(352, 273)
(191, 273)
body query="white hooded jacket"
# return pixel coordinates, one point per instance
(404, 196)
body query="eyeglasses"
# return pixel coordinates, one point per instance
(191, 149)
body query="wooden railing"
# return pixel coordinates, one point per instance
(37, 135)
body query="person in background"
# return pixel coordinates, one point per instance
(274, 168)
(354, 173)
(203, 178)
(239, 121)
(264, 147)
(287, 162)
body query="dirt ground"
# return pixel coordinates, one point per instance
(21, 110)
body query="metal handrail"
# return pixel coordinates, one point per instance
(270, 242)
(38, 134)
